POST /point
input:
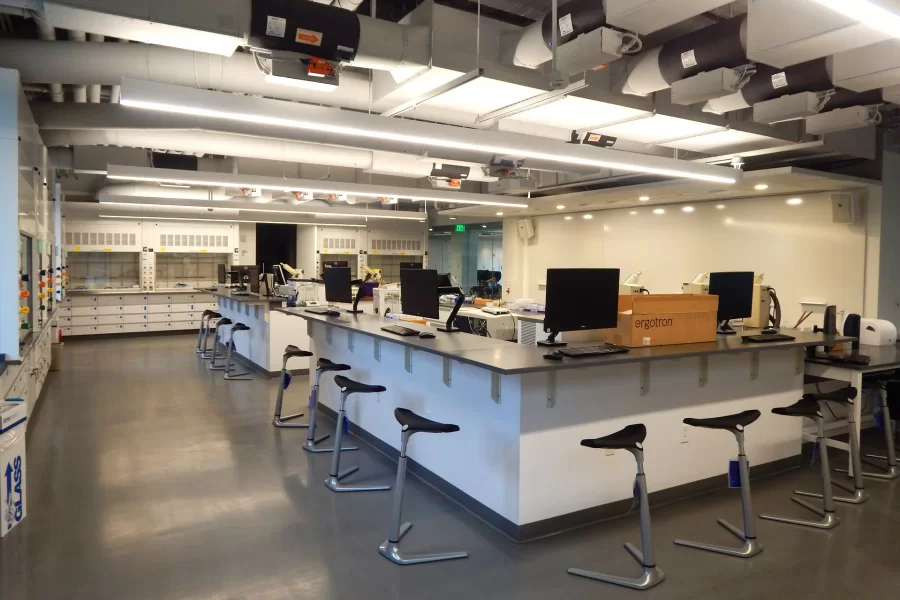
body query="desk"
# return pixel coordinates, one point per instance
(881, 359)
(517, 461)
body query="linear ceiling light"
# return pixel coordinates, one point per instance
(199, 178)
(336, 122)
(155, 218)
(333, 215)
(877, 15)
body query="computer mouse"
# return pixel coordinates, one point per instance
(426, 335)
(553, 356)
(769, 331)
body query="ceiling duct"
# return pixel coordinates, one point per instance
(721, 45)
(647, 16)
(576, 17)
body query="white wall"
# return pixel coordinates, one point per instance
(306, 250)
(247, 243)
(889, 259)
(804, 255)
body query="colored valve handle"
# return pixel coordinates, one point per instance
(25, 294)
(24, 310)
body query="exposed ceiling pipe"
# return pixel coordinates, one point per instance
(769, 83)
(534, 47)
(116, 89)
(81, 64)
(93, 90)
(79, 91)
(48, 32)
(721, 45)
(159, 191)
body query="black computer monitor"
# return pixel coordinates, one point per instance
(735, 292)
(411, 265)
(580, 299)
(247, 276)
(443, 280)
(337, 284)
(331, 264)
(220, 272)
(419, 292)
(482, 275)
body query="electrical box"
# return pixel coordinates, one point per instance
(590, 50)
(513, 185)
(787, 108)
(788, 32)
(705, 86)
(845, 208)
(526, 228)
(647, 16)
(868, 68)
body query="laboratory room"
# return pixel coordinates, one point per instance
(383, 299)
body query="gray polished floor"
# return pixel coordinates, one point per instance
(151, 478)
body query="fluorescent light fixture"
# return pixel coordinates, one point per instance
(687, 209)
(560, 206)
(301, 83)
(644, 198)
(760, 187)
(632, 213)
(588, 217)
(568, 218)
(228, 180)
(242, 208)
(499, 214)
(430, 229)
(155, 218)
(182, 186)
(795, 201)
(484, 226)
(336, 126)
(659, 211)
(720, 206)
(871, 14)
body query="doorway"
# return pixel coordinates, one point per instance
(276, 243)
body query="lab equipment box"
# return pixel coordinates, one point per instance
(664, 319)
(12, 466)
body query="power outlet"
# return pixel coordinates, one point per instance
(610, 452)
(684, 434)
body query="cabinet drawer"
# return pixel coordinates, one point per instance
(182, 308)
(159, 317)
(131, 319)
(158, 299)
(83, 330)
(200, 307)
(185, 325)
(110, 320)
(137, 299)
(159, 327)
(82, 321)
(159, 308)
(134, 327)
(82, 301)
(65, 311)
(137, 309)
(110, 300)
(110, 310)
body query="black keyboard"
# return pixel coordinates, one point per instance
(592, 350)
(323, 310)
(400, 330)
(768, 338)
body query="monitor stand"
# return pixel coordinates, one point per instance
(460, 298)
(359, 295)
(725, 329)
(551, 342)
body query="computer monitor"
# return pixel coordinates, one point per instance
(220, 272)
(247, 276)
(482, 275)
(330, 264)
(580, 299)
(419, 292)
(735, 292)
(443, 280)
(497, 275)
(411, 265)
(337, 284)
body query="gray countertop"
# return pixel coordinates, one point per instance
(133, 292)
(511, 359)
(881, 358)
(252, 299)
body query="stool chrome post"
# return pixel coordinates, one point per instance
(751, 546)
(205, 352)
(829, 519)
(201, 333)
(335, 475)
(652, 575)
(892, 470)
(390, 548)
(311, 440)
(858, 490)
(229, 375)
(278, 420)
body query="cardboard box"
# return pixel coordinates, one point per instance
(13, 507)
(664, 319)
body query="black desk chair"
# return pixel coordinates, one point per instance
(348, 386)
(390, 549)
(632, 439)
(809, 408)
(281, 421)
(736, 425)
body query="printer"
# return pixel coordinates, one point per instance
(877, 332)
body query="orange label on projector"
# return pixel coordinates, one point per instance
(308, 37)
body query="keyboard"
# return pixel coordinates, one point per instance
(768, 338)
(323, 310)
(400, 330)
(592, 350)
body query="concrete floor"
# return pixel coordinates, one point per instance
(151, 478)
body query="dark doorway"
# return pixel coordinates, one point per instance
(276, 244)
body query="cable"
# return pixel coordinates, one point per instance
(747, 72)
(632, 47)
(823, 100)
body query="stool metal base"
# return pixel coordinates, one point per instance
(858, 497)
(829, 519)
(391, 551)
(280, 421)
(237, 377)
(310, 446)
(652, 575)
(892, 471)
(751, 547)
(334, 484)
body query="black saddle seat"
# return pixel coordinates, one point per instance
(413, 422)
(730, 422)
(214, 315)
(841, 396)
(208, 313)
(630, 437)
(327, 365)
(225, 321)
(802, 408)
(292, 351)
(240, 327)
(356, 387)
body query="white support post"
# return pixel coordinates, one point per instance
(9, 213)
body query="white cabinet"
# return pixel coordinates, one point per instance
(133, 313)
